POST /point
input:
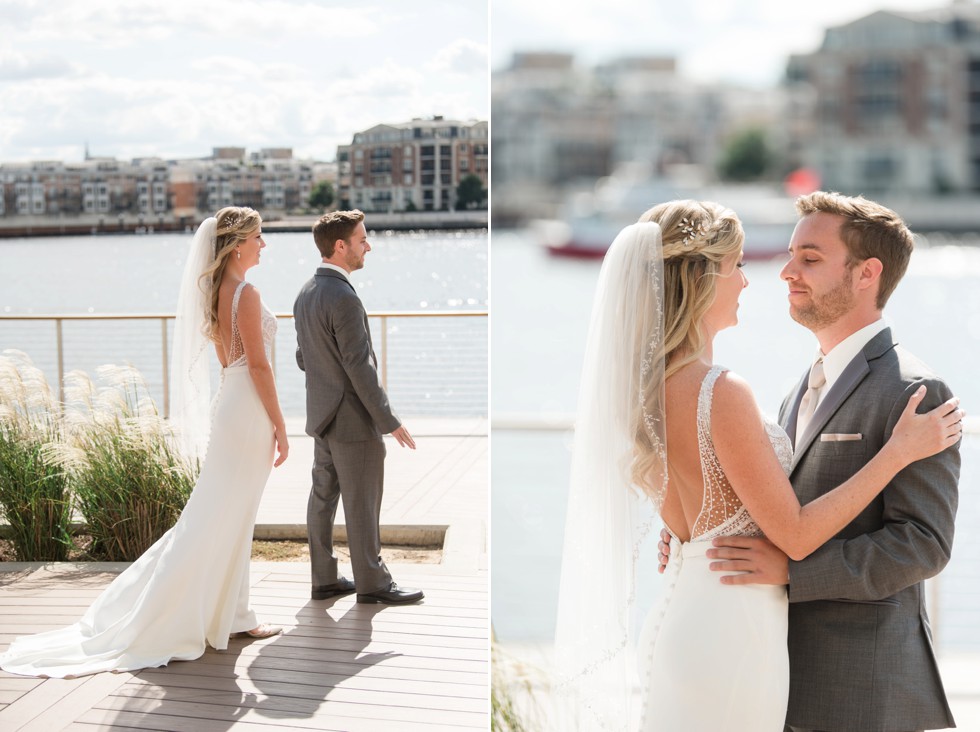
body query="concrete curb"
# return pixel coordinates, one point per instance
(427, 536)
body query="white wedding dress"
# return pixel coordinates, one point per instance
(713, 657)
(191, 587)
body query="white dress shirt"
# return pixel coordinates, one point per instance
(844, 352)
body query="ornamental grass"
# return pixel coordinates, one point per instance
(34, 493)
(129, 481)
(515, 690)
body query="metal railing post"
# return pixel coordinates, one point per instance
(384, 352)
(61, 360)
(165, 370)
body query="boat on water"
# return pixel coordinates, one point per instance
(591, 220)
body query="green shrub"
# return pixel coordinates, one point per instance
(34, 493)
(128, 479)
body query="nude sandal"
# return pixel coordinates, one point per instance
(262, 631)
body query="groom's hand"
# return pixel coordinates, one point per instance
(664, 550)
(761, 561)
(404, 439)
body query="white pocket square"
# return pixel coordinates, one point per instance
(844, 437)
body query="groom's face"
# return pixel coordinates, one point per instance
(356, 247)
(819, 273)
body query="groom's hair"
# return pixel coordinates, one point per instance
(869, 230)
(333, 226)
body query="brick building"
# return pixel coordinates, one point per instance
(414, 165)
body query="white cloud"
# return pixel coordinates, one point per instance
(145, 78)
(24, 67)
(132, 22)
(462, 56)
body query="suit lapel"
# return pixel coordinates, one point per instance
(854, 373)
(789, 420)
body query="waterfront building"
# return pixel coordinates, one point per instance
(890, 103)
(558, 126)
(411, 166)
(154, 191)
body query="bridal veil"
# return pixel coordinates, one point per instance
(190, 377)
(619, 443)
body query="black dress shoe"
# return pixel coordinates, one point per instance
(342, 586)
(393, 595)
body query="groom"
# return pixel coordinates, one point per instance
(860, 646)
(347, 412)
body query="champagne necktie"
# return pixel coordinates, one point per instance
(809, 402)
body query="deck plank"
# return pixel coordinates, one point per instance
(338, 665)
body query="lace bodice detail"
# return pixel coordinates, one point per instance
(722, 512)
(237, 355)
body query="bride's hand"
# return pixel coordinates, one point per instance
(282, 444)
(918, 436)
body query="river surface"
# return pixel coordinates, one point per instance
(435, 366)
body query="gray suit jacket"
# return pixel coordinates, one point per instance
(860, 646)
(344, 396)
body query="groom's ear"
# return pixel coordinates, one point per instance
(869, 274)
(339, 245)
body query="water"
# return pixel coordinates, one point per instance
(436, 366)
(538, 333)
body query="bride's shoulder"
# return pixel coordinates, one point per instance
(732, 398)
(249, 300)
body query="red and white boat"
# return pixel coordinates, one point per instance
(591, 221)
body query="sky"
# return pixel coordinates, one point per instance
(175, 78)
(745, 42)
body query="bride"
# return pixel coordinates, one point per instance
(653, 406)
(191, 587)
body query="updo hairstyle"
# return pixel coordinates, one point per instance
(235, 225)
(697, 237)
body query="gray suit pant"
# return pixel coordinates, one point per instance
(799, 729)
(352, 472)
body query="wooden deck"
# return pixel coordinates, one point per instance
(338, 665)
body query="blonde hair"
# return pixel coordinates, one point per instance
(869, 230)
(697, 237)
(235, 225)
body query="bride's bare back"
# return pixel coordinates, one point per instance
(685, 488)
(700, 502)
(226, 295)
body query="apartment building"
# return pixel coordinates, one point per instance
(890, 103)
(556, 123)
(270, 180)
(411, 166)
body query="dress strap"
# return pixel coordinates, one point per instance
(704, 398)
